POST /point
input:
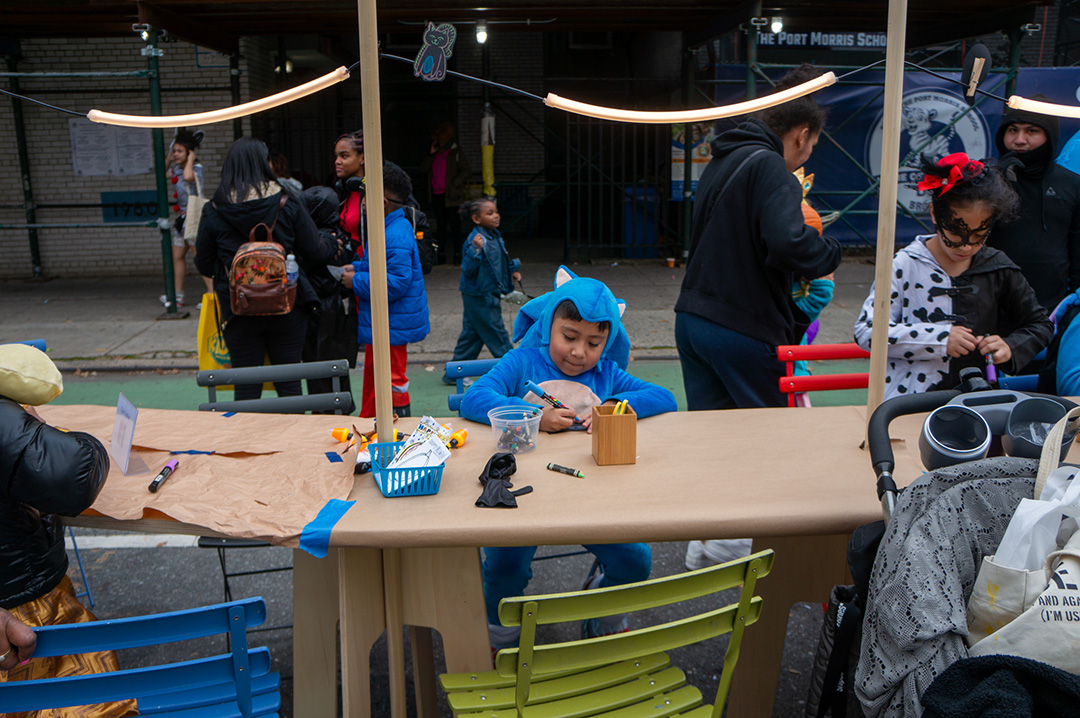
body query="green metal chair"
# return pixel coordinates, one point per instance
(629, 672)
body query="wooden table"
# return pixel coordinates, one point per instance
(795, 480)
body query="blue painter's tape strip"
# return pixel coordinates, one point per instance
(192, 451)
(227, 414)
(333, 457)
(315, 538)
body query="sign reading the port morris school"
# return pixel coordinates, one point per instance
(825, 40)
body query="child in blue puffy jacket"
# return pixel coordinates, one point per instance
(487, 273)
(573, 344)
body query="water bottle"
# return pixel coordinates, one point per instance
(292, 270)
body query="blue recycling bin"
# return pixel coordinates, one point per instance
(640, 213)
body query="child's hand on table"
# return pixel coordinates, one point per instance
(552, 419)
(995, 347)
(960, 342)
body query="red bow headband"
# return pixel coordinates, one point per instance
(961, 169)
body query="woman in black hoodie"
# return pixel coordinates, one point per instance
(1045, 240)
(250, 194)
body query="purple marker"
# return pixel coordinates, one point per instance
(165, 473)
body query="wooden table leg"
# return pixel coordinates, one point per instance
(360, 606)
(394, 593)
(806, 568)
(315, 623)
(423, 663)
(442, 589)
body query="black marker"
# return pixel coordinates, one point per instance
(566, 470)
(165, 473)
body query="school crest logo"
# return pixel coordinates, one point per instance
(935, 123)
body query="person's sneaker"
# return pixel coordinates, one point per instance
(502, 637)
(165, 300)
(468, 381)
(605, 625)
(448, 381)
(597, 627)
(702, 554)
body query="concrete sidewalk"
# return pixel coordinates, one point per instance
(113, 323)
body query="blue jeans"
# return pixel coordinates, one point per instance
(507, 570)
(481, 323)
(723, 369)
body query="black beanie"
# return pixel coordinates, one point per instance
(1049, 123)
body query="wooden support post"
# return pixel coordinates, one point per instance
(376, 235)
(890, 170)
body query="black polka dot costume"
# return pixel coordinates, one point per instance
(991, 297)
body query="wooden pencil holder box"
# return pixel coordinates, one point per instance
(614, 437)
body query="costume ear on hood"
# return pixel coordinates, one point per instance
(594, 302)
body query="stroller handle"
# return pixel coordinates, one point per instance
(877, 432)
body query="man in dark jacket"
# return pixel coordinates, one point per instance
(1045, 240)
(748, 245)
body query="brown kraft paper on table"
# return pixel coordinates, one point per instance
(269, 479)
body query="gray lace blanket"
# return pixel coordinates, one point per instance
(916, 618)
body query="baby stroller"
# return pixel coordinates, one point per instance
(915, 571)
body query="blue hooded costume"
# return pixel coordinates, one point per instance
(504, 385)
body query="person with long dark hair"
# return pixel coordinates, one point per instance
(250, 194)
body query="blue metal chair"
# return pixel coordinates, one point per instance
(238, 683)
(459, 371)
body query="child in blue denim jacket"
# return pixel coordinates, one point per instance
(487, 272)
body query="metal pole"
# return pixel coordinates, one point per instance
(1015, 37)
(890, 171)
(688, 136)
(24, 170)
(234, 86)
(152, 53)
(751, 53)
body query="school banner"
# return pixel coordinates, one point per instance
(936, 121)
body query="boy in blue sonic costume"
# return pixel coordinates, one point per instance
(573, 344)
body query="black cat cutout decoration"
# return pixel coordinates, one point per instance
(430, 64)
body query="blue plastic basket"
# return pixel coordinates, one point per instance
(420, 481)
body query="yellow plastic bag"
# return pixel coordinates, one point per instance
(213, 353)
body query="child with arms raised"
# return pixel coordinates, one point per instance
(572, 344)
(956, 303)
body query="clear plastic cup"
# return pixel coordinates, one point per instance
(515, 428)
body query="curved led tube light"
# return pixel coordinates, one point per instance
(1043, 108)
(710, 113)
(224, 114)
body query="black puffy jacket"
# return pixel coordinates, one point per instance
(43, 472)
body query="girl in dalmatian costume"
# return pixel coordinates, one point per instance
(956, 303)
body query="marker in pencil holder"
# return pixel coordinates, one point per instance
(614, 436)
(415, 481)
